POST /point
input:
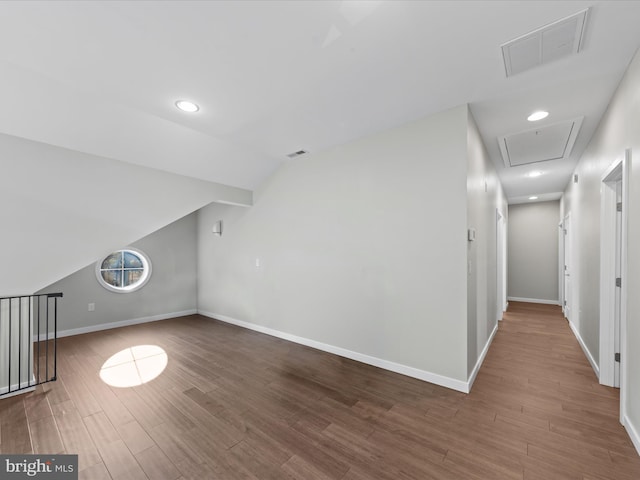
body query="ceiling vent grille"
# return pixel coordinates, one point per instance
(297, 154)
(546, 44)
(551, 142)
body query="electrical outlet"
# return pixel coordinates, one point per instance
(92, 307)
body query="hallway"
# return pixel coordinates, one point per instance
(547, 404)
(233, 403)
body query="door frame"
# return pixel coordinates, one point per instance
(568, 250)
(561, 264)
(618, 171)
(501, 263)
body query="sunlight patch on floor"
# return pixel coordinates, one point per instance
(134, 366)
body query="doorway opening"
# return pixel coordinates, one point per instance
(613, 254)
(567, 250)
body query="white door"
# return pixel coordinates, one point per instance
(613, 213)
(501, 267)
(561, 263)
(568, 304)
(618, 296)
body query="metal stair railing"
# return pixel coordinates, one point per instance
(28, 341)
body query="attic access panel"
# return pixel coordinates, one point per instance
(546, 44)
(551, 142)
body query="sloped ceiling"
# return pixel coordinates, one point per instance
(62, 210)
(272, 78)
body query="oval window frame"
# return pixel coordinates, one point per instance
(146, 275)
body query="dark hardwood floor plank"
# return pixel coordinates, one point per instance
(173, 446)
(95, 472)
(101, 429)
(37, 406)
(135, 437)
(75, 437)
(119, 461)
(156, 465)
(14, 427)
(237, 404)
(298, 469)
(45, 436)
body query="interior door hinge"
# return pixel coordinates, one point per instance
(619, 206)
(617, 357)
(618, 282)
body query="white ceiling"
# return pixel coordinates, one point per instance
(275, 77)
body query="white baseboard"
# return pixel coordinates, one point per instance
(586, 351)
(633, 433)
(476, 369)
(14, 389)
(534, 300)
(424, 375)
(122, 323)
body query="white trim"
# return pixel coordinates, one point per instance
(122, 323)
(501, 264)
(632, 431)
(14, 388)
(586, 351)
(561, 263)
(624, 371)
(14, 393)
(430, 377)
(571, 298)
(619, 170)
(533, 300)
(146, 271)
(476, 369)
(608, 270)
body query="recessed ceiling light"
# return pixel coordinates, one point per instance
(187, 106)
(539, 115)
(535, 173)
(533, 198)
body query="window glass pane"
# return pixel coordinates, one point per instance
(132, 277)
(123, 271)
(132, 261)
(112, 277)
(112, 261)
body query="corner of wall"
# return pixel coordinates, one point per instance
(485, 196)
(634, 433)
(420, 374)
(375, 291)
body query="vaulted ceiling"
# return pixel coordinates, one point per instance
(273, 77)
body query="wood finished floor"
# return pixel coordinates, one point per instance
(235, 404)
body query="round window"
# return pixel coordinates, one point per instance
(124, 271)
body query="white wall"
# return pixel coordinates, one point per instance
(63, 209)
(484, 197)
(533, 252)
(617, 131)
(361, 248)
(171, 290)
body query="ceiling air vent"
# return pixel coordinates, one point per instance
(297, 154)
(546, 44)
(551, 142)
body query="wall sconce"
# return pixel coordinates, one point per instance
(217, 228)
